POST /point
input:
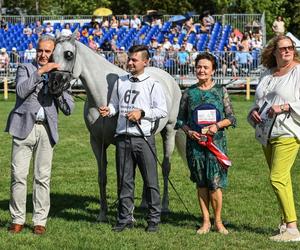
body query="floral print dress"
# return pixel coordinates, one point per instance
(204, 167)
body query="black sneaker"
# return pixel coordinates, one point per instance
(119, 227)
(152, 227)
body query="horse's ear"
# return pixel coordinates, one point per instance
(74, 34)
(57, 33)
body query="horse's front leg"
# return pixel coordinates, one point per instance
(99, 150)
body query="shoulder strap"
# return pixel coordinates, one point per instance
(155, 124)
(152, 90)
(118, 88)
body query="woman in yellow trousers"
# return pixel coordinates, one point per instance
(279, 89)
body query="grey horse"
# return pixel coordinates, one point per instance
(98, 77)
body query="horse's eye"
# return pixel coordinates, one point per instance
(68, 55)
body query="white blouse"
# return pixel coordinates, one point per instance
(280, 90)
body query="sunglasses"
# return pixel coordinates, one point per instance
(287, 48)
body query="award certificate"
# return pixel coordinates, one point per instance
(207, 116)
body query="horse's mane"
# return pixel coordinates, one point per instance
(61, 39)
(73, 41)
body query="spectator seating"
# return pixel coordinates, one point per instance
(218, 38)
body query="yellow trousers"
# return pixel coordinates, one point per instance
(280, 154)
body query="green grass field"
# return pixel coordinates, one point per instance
(250, 207)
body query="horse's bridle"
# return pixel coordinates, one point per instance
(68, 55)
(59, 80)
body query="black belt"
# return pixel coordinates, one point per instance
(131, 136)
(41, 122)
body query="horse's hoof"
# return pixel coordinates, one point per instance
(102, 217)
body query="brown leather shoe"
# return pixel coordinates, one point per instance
(15, 228)
(38, 229)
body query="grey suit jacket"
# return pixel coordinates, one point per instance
(32, 94)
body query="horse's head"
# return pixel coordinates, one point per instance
(65, 55)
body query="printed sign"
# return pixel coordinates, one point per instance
(206, 116)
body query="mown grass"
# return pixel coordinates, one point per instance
(250, 207)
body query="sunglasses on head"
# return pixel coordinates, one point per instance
(287, 48)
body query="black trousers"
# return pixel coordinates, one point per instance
(132, 151)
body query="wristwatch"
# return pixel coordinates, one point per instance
(142, 113)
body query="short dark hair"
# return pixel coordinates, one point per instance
(208, 56)
(140, 48)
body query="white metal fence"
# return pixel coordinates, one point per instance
(243, 22)
(230, 65)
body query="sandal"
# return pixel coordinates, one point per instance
(204, 230)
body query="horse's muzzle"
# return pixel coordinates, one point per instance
(59, 81)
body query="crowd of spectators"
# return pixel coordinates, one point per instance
(169, 53)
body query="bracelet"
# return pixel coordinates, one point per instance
(218, 127)
(187, 132)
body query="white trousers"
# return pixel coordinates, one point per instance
(38, 145)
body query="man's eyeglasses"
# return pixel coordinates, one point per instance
(287, 48)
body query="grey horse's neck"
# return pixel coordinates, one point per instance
(96, 74)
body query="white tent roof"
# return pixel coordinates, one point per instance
(295, 39)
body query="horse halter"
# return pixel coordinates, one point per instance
(59, 80)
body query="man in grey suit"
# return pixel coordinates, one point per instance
(33, 125)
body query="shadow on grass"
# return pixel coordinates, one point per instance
(66, 206)
(73, 207)
(250, 228)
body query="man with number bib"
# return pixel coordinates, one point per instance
(139, 99)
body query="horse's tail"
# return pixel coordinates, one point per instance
(180, 142)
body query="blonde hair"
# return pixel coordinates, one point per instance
(268, 58)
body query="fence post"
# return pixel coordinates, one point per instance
(5, 85)
(248, 89)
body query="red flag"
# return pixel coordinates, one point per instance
(207, 141)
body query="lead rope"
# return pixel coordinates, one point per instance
(160, 164)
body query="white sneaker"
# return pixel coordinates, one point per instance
(286, 236)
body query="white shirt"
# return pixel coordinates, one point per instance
(66, 32)
(146, 94)
(135, 23)
(167, 45)
(189, 47)
(280, 90)
(30, 54)
(278, 26)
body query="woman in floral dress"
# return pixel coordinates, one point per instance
(205, 108)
